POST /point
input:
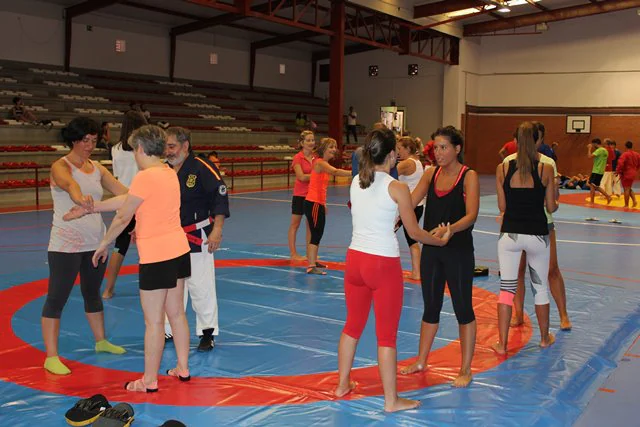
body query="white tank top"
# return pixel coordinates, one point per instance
(124, 164)
(373, 215)
(413, 179)
(82, 234)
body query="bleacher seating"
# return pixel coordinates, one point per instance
(250, 126)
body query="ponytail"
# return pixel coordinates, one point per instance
(528, 135)
(379, 143)
(366, 171)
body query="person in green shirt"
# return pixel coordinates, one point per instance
(599, 155)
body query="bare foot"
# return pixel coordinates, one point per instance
(565, 324)
(412, 369)
(108, 294)
(462, 380)
(499, 348)
(297, 257)
(608, 199)
(342, 391)
(516, 322)
(401, 404)
(548, 342)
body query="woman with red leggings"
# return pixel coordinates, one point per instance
(373, 271)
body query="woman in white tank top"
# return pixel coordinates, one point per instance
(373, 272)
(410, 171)
(124, 169)
(76, 180)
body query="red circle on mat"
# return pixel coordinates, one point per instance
(21, 363)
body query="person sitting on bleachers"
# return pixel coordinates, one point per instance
(145, 113)
(105, 137)
(21, 113)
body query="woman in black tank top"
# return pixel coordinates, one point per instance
(453, 196)
(525, 187)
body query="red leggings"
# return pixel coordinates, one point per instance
(371, 277)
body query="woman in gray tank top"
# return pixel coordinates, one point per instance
(76, 179)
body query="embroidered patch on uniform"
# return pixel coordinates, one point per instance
(191, 181)
(222, 190)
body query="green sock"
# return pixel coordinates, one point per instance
(105, 346)
(55, 366)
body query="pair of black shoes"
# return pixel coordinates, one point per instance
(207, 340)
(98, 410)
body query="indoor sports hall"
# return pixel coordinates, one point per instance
(249, 79)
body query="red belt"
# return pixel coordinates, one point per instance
(194, 227)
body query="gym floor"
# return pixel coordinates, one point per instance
(275, 359)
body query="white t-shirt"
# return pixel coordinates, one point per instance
(124, 164)
(543, 159)
(373, 215)
(351, 118)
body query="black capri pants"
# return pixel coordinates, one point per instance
(315, 214)
(124, 239)
(455, 267)
(63, 270)
(418, 212)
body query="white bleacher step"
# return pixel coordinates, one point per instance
(233, 129)
(60, 147)
(216, 117)
(14, 93)
(177, 84)
(188, 94)
(7, 107)
(53, 72)
(8, 80)
(83, 98)
(96, 111)
(275, 147)
(209, 106)
(65, 84)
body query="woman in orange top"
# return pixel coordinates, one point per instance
(316, 200)
(154, 198)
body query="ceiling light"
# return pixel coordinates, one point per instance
(519, 2)
(503, 9)
(469, 11)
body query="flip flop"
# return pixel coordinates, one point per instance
(139, 386)
(174, 373)
(315, 270)
(120, 415)
(592, 219)
(615, 221)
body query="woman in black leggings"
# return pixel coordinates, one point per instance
(453, 196)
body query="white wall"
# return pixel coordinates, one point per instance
(461, 83)
(33, 31)
(587, 62)
(297, 73)
(421, 95)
